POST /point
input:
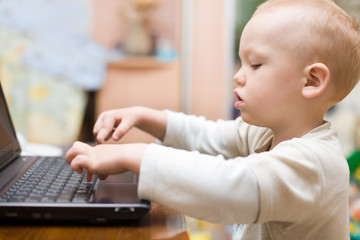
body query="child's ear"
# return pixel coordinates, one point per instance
(317, 79)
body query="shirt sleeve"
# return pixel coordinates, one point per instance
(191, 133)
(199, 185)
(230, 138)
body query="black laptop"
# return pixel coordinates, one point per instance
(45, 189)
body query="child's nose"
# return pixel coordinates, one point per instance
(239, 77)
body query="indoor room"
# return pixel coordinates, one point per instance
(66, 66)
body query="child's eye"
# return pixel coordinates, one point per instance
(255, 66)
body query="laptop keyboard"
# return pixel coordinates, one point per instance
(50, 180)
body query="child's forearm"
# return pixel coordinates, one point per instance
(132, 155)
(153, 122)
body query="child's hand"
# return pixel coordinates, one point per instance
(115, 123)
(105, 159)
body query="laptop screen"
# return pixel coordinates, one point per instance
(9, 146)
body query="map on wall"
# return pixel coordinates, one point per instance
(48, 59)
(53, 36)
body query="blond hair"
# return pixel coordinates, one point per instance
(329, 35)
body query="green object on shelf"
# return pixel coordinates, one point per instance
(354, 237)
(353, 161)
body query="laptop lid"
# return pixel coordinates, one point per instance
(9, 145)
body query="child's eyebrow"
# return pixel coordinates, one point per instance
(251, 52)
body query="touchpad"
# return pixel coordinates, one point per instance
(120, 188)
(116, 193)
(127, 178)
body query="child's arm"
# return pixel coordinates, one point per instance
(194, 133)
(116, 123)
(194, 178)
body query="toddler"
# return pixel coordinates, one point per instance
(276, 172)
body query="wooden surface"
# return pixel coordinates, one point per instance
(160, 224)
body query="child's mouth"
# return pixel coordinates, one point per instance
(239, 101)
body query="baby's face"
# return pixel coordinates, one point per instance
(272, 72)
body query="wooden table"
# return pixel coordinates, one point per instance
(160, 224)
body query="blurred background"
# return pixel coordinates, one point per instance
(63, 62)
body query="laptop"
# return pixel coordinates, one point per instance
(45, 189)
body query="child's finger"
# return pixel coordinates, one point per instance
(102, 177)
(75, 150)
(98, 124)
(121, 130)
(103, 135)
(78, 164)
(88, 176)
(106, 129)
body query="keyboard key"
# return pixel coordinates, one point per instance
(48, 199)
(65, 197)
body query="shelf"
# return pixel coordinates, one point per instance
(138, 63)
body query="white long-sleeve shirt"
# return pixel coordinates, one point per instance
(222, 172)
